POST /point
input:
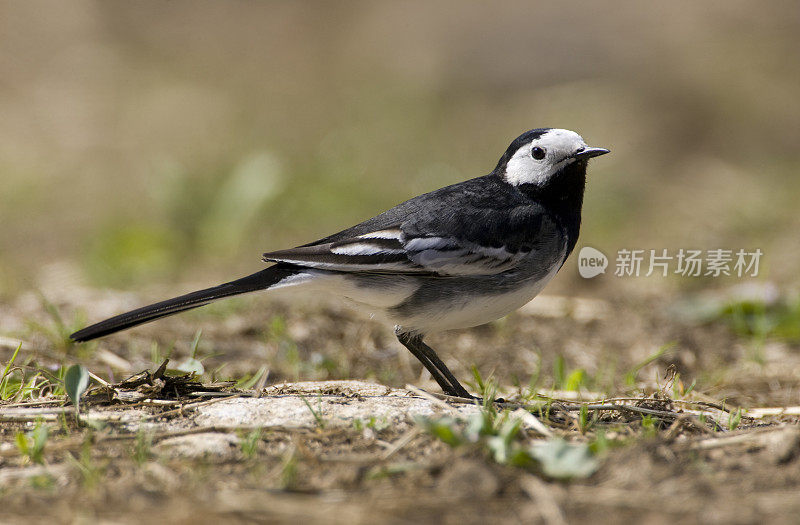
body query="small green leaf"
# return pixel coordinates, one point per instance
(196, 342)
(190, 365)
(735, 419)
(76, 380)
(444, 429)
(11, 362)
(39, 435)
(522, 458)
(248, 383)
(22, 444)
(559, 372)
(576, 380)
(583, 419)
(561, 460)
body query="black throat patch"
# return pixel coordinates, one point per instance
(562, 195)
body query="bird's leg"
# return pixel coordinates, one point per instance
(427, 356)
(409, 341)
(457, 389)
(446, 386)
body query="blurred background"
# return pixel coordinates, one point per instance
(150, 148)
(173, 142)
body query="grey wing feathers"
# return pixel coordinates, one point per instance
(392, 251)
(450, 256)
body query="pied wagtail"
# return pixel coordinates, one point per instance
(456, 257)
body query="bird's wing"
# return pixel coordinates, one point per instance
(466, 242)
(477, 227)
(394, 251)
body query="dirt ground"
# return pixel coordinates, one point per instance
(171, 448)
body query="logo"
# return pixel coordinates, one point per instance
(591, 262)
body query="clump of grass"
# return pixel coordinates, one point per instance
(25, 381)
(499, 435)
(316, 413)
(500, 438)
(754, 319)
(249, 444)
(565, 378)
(735, 419)
(57, 331)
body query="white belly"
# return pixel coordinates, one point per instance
(473, 310)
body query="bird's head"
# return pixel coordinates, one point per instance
(538, 155)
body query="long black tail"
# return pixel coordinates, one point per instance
(252, 283)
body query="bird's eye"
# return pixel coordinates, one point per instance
(538, 153)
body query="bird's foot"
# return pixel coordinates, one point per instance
(470, 397)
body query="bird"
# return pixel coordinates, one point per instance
(456, 257)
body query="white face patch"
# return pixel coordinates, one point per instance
(558, 144)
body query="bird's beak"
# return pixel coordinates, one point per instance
(588, 153)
